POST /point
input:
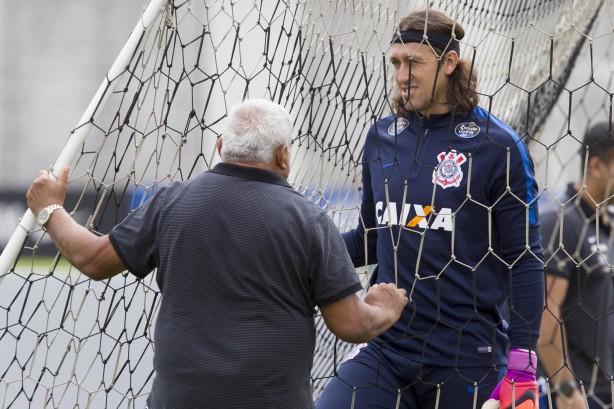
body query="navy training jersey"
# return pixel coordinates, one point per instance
(449, 204)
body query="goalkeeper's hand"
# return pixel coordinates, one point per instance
(518, 388)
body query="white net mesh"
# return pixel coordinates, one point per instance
(70, 342)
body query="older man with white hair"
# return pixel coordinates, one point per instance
(242, 261)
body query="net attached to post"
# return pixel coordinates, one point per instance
(71, 342)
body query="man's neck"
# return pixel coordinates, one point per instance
(259, 165)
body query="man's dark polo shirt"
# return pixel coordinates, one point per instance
(243, 260)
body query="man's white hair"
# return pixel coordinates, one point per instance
(255, 129)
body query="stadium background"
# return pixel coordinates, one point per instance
(53, 57)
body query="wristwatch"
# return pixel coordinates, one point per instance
(45, 214)
(567, 388)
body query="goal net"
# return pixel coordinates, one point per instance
(543, 66)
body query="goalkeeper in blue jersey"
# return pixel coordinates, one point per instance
(448, 212)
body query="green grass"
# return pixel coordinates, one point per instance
(42, 266)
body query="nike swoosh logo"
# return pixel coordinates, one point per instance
(471, 389)
(387, 165)
(525, 401)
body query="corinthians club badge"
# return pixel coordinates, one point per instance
(449, 173)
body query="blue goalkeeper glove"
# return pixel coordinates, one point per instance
(518, 388)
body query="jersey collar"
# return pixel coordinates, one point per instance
(433, 120)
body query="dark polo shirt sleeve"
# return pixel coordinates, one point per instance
(135, 239)
(332, 269)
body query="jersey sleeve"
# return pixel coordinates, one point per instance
(134, 238)
(355, 239)
(517, 218)
(331, 270)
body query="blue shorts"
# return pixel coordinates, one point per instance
(376, 378)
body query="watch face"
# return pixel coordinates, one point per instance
(566, 389)
(43, 216)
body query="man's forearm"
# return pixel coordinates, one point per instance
(356, 321)
(93, 255)
(550, 347)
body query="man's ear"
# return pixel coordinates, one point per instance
(449, 62)
(596, 167)
(218, 145)
(281, 157)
